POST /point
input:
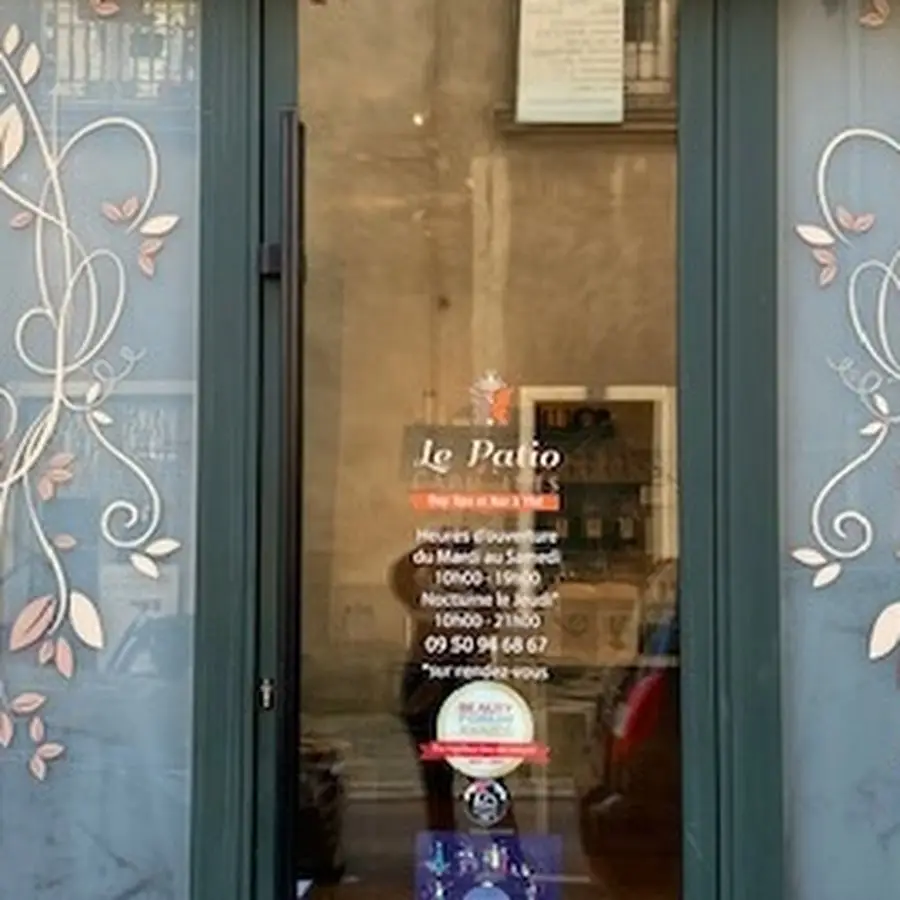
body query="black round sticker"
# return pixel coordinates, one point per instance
(486, 803)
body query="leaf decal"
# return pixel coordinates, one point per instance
(815, 236)
(105, 8)
(827, 275)
(61, 461)
(809, 557)
(27, 704)
(145, 565)
(7, 729)
(51, 751)
(12, 135)
(45, 654)
(885, 633)
(111, 212)
(845, 218)
(872, 20)
(159, 226)
(825, 257)
(36, 730)
(64, 542)
(162, 547)
(31, 64)
(130, 207)
(147, 265)
(60, 476)
(46, 489)
(152, 246)
(86, 621)
(37, 767)
(871, 429)
(101, 418)
(864, 222)
(65, 658)
(12, 39)
(21, 219)
(93, 393)
(827, 575)
(32, 623)
(881, 404)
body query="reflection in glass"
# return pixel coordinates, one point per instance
(489, 410)
(97, 473)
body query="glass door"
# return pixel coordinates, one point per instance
(489, 628)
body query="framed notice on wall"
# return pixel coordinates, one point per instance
(571, 62)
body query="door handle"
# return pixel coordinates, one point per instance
(291, 262)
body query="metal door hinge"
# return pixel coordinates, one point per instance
(267, 693)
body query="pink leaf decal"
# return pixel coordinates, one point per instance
(60, 476)
(32, 623)
(61, 461)
(827, 275)
(815, 236)
(65, 658)
(105, 8)
(64, 542)
(45, 654)
(826, 257)
(36, 730)
(37, 767)
(28, 703)
(151, 247)
(872, 20)
(21, 220)
(112, 212)
(864, 222)
(46, 489)
(7, 729)
(147, 265)
(130, 207)
(845, 218)
(51, 751)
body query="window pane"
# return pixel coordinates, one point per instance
(490, 548)
(839, 371)
(99, 150)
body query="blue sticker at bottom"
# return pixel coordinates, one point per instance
(457, 866)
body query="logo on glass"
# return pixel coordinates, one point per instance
(491, 400)
(486, 803)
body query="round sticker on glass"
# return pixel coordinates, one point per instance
(479, 719)
(486, 803)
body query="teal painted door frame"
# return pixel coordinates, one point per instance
(734, 835)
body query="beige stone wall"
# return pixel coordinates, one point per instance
(439, 246)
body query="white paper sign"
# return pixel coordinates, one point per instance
(571, 67)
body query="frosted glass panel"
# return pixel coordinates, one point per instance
(840, 340)
(98, 250)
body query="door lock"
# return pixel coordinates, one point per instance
(267, 693)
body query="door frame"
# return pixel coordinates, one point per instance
(235, 208)
(728, 455)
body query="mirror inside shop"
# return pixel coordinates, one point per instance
(490, 634)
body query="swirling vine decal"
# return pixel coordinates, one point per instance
(32, 466)
(849, 533)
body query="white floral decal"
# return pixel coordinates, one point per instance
(33, 466)
(849, 534)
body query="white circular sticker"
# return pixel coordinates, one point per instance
(485, 714)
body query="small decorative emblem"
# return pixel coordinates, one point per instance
(486, 802)
(491, 400)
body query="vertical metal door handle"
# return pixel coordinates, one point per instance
(292, 266)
